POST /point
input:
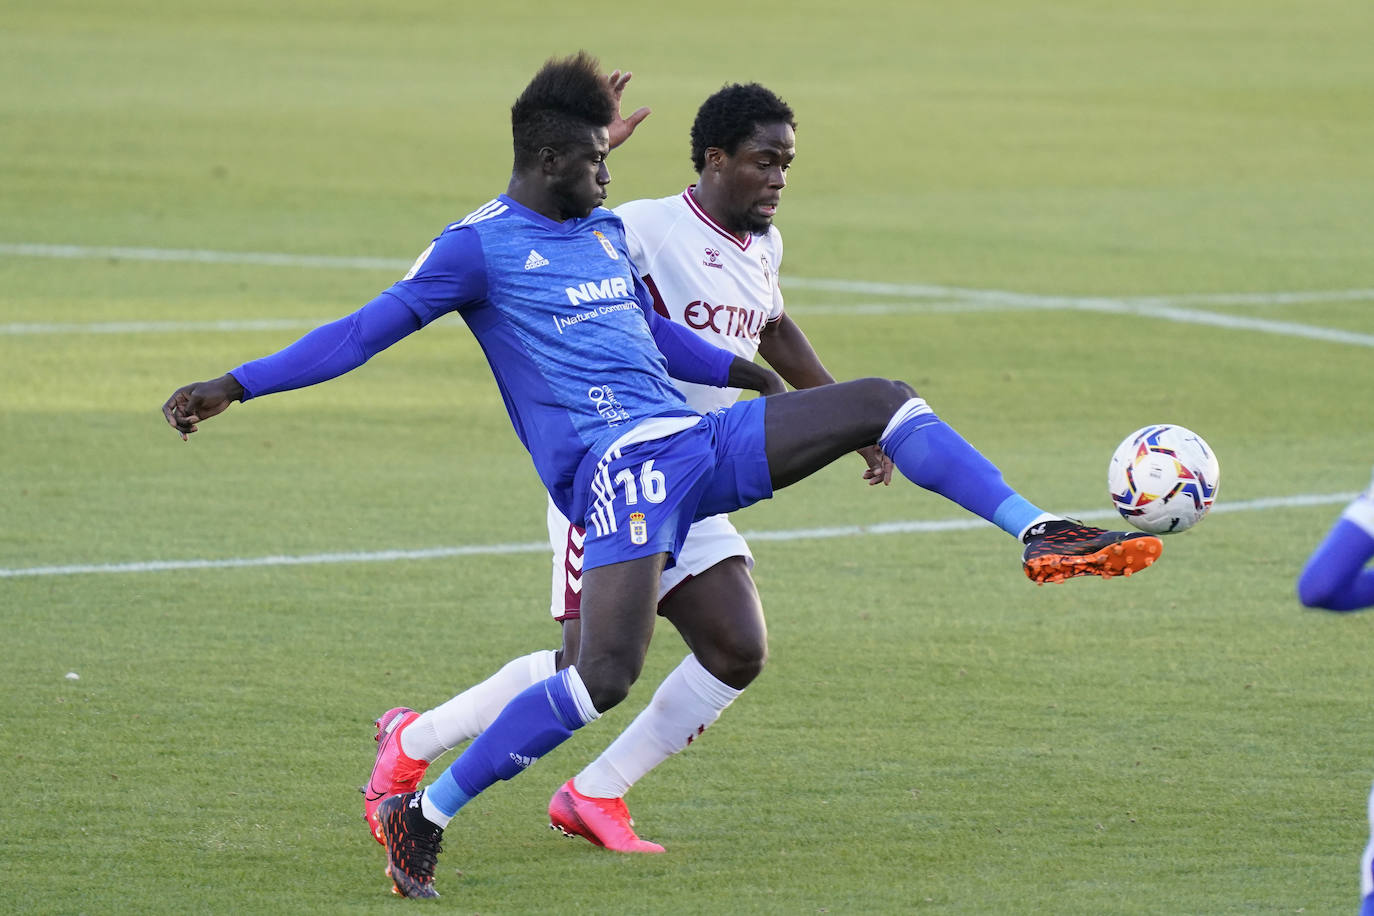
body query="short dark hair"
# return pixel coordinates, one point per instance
(730, 116)
(565, 98)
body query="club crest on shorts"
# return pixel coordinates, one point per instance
(639, 531)
(606, 244)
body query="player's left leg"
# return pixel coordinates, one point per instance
(806, 430)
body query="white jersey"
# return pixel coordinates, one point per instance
(725, 290)
(704, 278)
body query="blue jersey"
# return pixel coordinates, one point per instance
(566, 324)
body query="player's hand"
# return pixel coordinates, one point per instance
(198, 401)
(879, 470)
(770, 383)
(621, 128)
(750, 376)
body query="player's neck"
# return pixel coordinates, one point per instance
(710, 205)
(534, 197)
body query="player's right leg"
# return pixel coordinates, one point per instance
(408, 742)
(806, 430)
(718, 612)
(617, 622)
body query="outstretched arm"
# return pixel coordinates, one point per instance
(325, 353)
(787, 350)
(448, 274)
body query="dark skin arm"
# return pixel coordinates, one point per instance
(787, 350)
(198, 401)
(753, 377)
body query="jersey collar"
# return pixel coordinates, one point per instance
(714, 226)
(567, 225)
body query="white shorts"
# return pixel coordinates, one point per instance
(708, 541)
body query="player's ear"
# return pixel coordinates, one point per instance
(548, 159)
(715, 159)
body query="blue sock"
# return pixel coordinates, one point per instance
(932, 455)
(536, 721)
(1334, 577)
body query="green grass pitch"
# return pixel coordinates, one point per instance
(1059, 220)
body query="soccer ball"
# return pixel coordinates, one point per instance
(1163, 478)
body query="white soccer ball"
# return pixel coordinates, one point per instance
(1163, 478)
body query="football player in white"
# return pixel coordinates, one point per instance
(710, 255)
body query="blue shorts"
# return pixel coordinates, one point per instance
(646, 495)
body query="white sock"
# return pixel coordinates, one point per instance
(688, 700)
(432, 813)
(1042, 517)
(467, 715)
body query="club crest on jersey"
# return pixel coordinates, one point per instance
(419, 262)
(606, 244)
(639, 531)
(713, 259)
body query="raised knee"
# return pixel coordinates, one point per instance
(904, 392)
(887, 394)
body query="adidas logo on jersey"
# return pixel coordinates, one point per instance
(521, 760)
(535, 260)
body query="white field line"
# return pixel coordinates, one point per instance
(158, 327)
(950, 299)
(264, 258)
(795, 534)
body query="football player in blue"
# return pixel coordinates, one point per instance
(1338, 577)
(711, 257)
(541, 276)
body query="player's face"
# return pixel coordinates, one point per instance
(580, 176)
(753, 178)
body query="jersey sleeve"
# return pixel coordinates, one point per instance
(634, 240)
(643, 230)
(330, 350)
(777, 308)
(689, 358)
(450, 274)
(446, 276)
